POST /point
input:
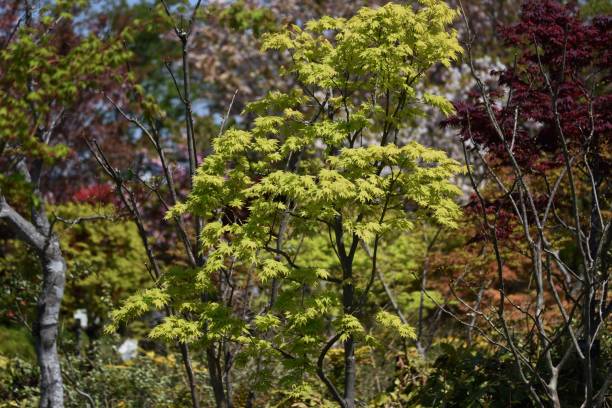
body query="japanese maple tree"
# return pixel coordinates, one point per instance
(320, 171)
(543, 135)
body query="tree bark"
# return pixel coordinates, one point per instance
(195, 402)
(216, 379)
(348, 301)
(349, 345)
(46, 326)
(349, 372)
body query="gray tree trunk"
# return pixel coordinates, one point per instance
(46, 326)
(45, 329)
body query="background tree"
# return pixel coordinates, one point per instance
(46, 69)
(543, 137)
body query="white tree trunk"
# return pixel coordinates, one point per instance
(46, 326)
(45, 329)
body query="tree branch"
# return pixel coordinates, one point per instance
(330, 386)
(24, 229)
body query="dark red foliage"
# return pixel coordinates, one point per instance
(562, 62)
(504, 221)
(553, 42)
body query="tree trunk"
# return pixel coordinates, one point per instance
(195, 401)
(349, 345)
(590, 314)
(38, 235)
(216, 379)
(349, 372)
(45, 329)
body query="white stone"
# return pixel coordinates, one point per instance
(81, 316)
(128, 349)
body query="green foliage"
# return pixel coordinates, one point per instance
(19, 279)
(105, 258)
(40, 76)
(137, 305)
(240, 17)
(349, 326)
(18, 382)
(174, 328)
(387, 47)
(16, 342)
(596, 7)
(470, 377)
(300, 396)
(391, 321)
(320, 173)
(149, 380)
